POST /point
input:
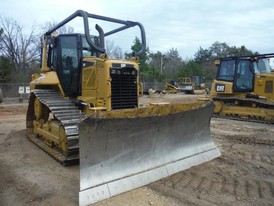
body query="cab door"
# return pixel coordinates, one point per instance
(65, 57)
(244, 76)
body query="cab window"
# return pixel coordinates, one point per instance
(226, 70)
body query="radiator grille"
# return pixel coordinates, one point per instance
(124, 91)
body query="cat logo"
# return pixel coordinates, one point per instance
(220, 87)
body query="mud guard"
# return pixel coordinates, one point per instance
(121, 154)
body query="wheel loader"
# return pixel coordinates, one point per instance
(244, 88)
(85, 107)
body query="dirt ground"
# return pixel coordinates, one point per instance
(243, 175)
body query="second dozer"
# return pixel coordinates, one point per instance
(244, 88)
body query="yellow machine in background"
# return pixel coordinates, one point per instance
(191, 85)
(188, 85)
(171, 87)
(244, 88)
(85, 106)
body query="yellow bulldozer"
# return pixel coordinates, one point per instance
(85, 107)
(171, 87)
(244, 88)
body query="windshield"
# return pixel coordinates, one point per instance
(226, 71)
(263, 65)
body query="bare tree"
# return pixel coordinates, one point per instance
(1, 36)
(113, 51)
(62, 30)
(22, 50)
(172, 62)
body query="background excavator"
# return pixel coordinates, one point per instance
(85, 106)
(244, 88)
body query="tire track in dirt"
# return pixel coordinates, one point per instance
(241, 189)
(244, 173)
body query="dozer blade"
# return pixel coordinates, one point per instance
(121, 154)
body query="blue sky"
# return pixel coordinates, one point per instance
(182, 24)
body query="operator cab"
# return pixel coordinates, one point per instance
(198, 80)
(241, 70)
(65, 56)
(238, 71)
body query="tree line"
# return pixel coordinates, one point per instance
(20, 54)
(158, 66)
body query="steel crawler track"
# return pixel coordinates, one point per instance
(242, 119)
(69, 116)
(231, 100)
